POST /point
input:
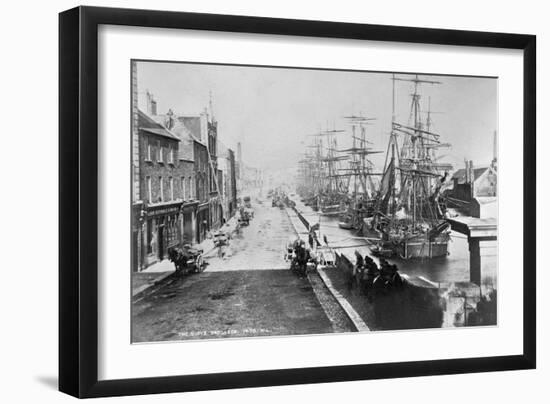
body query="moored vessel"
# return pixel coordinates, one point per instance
(410, 217)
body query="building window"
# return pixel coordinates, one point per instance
(161, 187)
(171, 182)
(183, 196)
(171, 155)
(159, 159)
(190, 189)
(149, 151)
(200, 184)
(149, 190)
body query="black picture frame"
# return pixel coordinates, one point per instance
(78, 196)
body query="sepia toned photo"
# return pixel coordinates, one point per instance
(280, 201)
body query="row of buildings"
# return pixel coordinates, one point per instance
(184, 179)
(248, 178)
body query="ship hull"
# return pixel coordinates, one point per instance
(348, 225)
(420, 246)
(330, 210)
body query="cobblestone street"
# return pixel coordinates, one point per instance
(248, 292)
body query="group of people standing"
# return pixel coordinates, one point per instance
(370, 277)
(302, 255)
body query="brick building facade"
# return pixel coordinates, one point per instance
(199, 144)
(157, 212)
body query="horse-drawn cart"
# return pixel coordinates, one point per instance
(244, 216)
(187, 259)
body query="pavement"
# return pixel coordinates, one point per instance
(142, 281)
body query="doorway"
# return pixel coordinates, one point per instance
(161, 242)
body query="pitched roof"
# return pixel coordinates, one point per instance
(460, 174)
(148, 124)
(193, 123)
(186, 125)
(186, 151)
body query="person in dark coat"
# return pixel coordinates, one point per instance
(371, 272)
(310, 240)
(358, 269)
(302, 257)
(371, 267)
(359, 263)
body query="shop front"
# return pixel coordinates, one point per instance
(162, 230)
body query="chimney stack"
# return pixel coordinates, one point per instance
(169, 121)
(151, 104)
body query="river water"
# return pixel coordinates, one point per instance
(452, 268)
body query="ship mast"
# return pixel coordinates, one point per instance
(392, 143)
(416, 159)
(359, 165)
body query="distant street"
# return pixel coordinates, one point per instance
(250, 292)
(259, 246)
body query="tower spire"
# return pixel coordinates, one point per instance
(210, 104)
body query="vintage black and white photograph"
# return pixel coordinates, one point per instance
(280, 201)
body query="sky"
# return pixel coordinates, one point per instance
(271, 111)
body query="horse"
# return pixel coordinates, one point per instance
(178, 257)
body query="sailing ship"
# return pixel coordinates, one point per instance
(410, 216)
(335, 190)
(310, 176)
(359, 173)
(320, 186)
